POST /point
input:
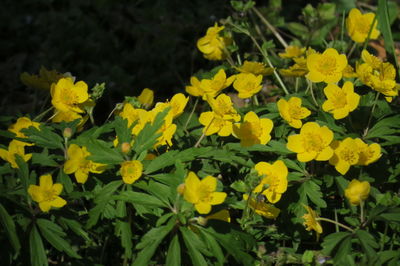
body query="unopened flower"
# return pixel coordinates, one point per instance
(15, 147)
(247, 84)
(255, 68)
(326, 67)
(47, 193)
(292, 111)
(358, 26)
(312, 143)
(146, 98)
(275, 177)
(79, 164)
(67, 96)
(310, 220)
(212, 45)
(357, 191)
(253, 130)
(201, 193)
(131, 171)
(262, 208)
(346, 154)
(341, 101)
(292, 51)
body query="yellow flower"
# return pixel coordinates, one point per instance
(253, 130)
(310, 220)
(146, 98)
(222, 215)
(275, 177)
(262, 208)
(202, 193)
(312, 143)
(22, 122)
(79, 164)
(292, 51)
(47, 193)
(348, 72)
(368, 153)
(359, 25)
(69, 116)
(131, 171)
(15, 147)
(67, 96)
(220, 119)
(292, 111)
(346, 154)
(212, 45)
(255, 68)
(357, 191)
(299, 69)
(132, 114)
(194, 88)
(341, 101)
(327, 67)
(247, 84)
(43, 80)
(378, 75)
(177, 103)
(167, 129)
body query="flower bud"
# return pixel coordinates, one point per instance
(181, 189)
(67, 133)
(125, 147)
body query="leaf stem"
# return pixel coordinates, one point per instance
(334, 222)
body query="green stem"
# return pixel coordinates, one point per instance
(296, 86)
(40, 116)
(362, 212)
(191, 113)
(336, 220)
(270, 27)
(203, 135)
(352, 50)
(383, 237)
(369, 33)
(336, 223)
(370, 115)
(255, 100)
(312, 93)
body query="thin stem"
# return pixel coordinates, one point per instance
(352, 50)
(383, 237)
(312, 93)
(334, 222)
(255, 100)
(191, 113)
(270, 27)
(362, 212)
(296, 86)
(40, 116)
(370, 115)
(369, 33)
(203, 135)
(342, 28)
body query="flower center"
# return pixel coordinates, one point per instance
(339, 100)
(48, 195)
(349, 156)
(295, 112)
(327, 65)
(313, 142)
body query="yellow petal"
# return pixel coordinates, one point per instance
(203, 208)
(46, 182)
(218, 198)
(58, 202)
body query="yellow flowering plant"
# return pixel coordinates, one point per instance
(200, 174)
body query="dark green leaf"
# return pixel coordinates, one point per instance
(174, 252)
(76, 227)
(9, 227)
(332, 241)
(44, 137)
(313, 192)
(101, 152)
(140, 198)
(193, 244)
(36, 248)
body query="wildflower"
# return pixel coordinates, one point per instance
(341, 101)
(292, 51)
(222, 215)
(194, 88)
(212, 45)
(22, 122)
(78, 163)
(253, 130)
(202, 193)
(68, 116)
(135, 115)
(348, 72)
(292, 111)
(262, 208)
(47, 193)
(327, 67)
(275, 177)
(43, 80)
(255, 68)
(367, 153)
(358, 26)
(310, 220)
(131, 171)
(299, 69)
(346, 154)
(167, 129)
(247, 84)
(67, 96)
(378, 75)
(177, 103)
(357, 191)
(146, 98)
(220, 119)
(15, 147)
(312, 143)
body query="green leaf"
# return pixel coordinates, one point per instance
(123, 230)
(54, 234)
(313, 192)
(36, 248)
(101, 152)
(65, 180)
(332, 241)
(174, 252)
(140, 199)
(44, 158)
(9, 228)
(76, 227)
(123, 131)
(149, 243)
(297, 29)
(44, 137)
(193, 244)
(368, 244)
(214, 247)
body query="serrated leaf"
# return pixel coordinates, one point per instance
(214, 247)
(44, 159)
(193, 244)
(140, 198)
(76, 227)
(123, 131)
(36, 248)
(174, 252)
(101, 152)
(313, 192)
(368, 244)
(9, 227)
(44, 137)
(54, 234)
(332, 241)
(124, 232)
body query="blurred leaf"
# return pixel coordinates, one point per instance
(9, 227)
(297, 29)
(44, 137)
(44, 158)
(174, 252)
(36, 248)
(368, 244)
(194, 245)
(76, 227)
(140, 198)
(56, 237)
